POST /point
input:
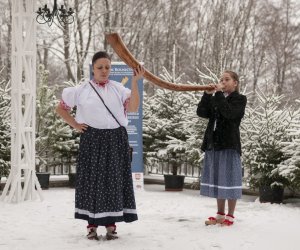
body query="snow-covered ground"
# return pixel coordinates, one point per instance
(167, 220)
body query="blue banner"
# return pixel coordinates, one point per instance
(121, 73)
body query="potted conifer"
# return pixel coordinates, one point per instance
(42, 176)
(174, 182)
(266, 177)
(264, 130)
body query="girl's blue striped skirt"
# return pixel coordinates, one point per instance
(221, 175)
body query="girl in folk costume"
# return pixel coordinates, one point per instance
(221, 176)
(104, 191)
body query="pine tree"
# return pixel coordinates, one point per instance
(263, 130)
(290, 168)
(5, 135)
(54, 138)
(171, 128)
(162, 123)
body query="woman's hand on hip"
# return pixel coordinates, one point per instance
(80, 127)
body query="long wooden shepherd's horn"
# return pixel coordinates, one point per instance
(119, 47)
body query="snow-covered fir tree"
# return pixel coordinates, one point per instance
(263, 130)
(162, 123)
(54, 138)
(5, 135)
(290, 168)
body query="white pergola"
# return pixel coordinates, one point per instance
(23, 105)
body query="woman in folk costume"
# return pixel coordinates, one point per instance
(104, 191)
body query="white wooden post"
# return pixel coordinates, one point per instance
(23, 105)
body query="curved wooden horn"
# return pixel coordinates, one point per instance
(120, 48)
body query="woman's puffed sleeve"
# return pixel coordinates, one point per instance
(125, 94)
(69, 96)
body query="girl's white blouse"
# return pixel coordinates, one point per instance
(90, 109)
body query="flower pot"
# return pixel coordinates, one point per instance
(268, 194)
(174, 182)
(43, 178)
(72, 180)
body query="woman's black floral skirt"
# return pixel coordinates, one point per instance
(104, 191)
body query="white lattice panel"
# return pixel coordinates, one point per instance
(23, 101)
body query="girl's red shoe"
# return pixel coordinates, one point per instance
(229, 220)
(219, 219)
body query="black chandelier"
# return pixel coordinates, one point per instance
(64, 16)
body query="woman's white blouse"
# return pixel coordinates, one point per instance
(90, 109)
